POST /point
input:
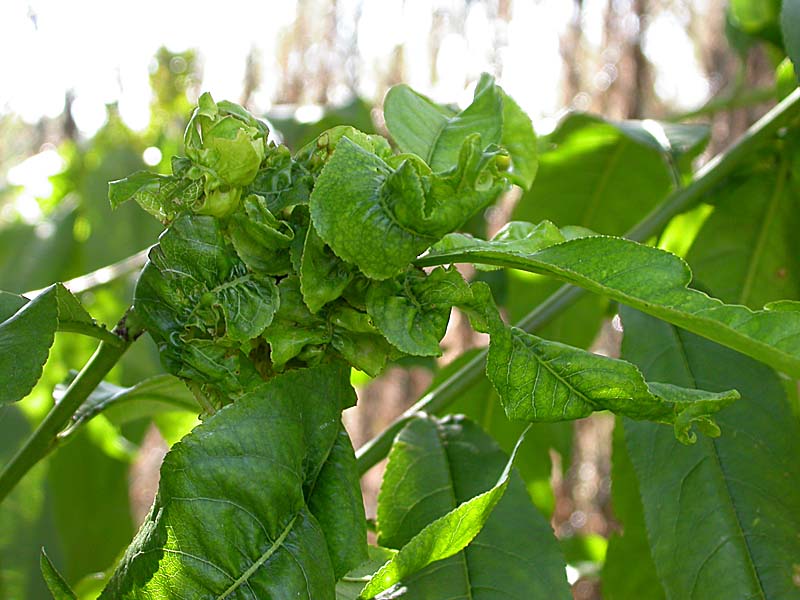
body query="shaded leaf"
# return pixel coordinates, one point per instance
(439, 472)
(323, 276)
(158, 394)
(215, 530)
(747, 251)
(55, 582)
(630, 546)
(790, 26)
(350, 586)
(730, 504)
(337, 505)
(25, 340)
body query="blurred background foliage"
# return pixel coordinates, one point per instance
(306, 66)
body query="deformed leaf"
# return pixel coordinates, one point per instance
(381, 217)
(655, 282)
(540, 380)
(436, 133)
(261, 240)
(163, 196)
(55, 582)
(231, 516)
(323, 275)
(433, 502)
(412, 311)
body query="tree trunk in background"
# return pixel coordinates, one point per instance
(571, 55)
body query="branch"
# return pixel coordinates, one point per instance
(45, 438)
(681, 200)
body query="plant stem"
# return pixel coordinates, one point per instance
(45, 438)
(679, 201)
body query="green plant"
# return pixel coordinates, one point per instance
(279, 273)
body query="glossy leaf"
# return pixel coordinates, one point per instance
(730, 504)
(55, 582)
(655, 282)
(231, 515)
(381, 217)
(432, 503)
(540, 380)
(747, 251)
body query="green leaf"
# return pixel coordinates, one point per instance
(337, 505)
(163, 196)
(436, 133)
(350, 586)
(381, 218)
(596, 176)
(520, 141)
(747, 251)
(24, 522)
(25, 340)
(323, 276)
(730, 504)
(226, 140)
(790, 26)
(155, 395)
(629, 546)
(655, 282)
(195, 286)
(260, 239)
(540, 380)
(412, 311)
(433, 502)
(231, 515)
(55, 582)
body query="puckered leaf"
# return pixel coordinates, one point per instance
(412, 311)
(231, 516)
(655, 282)
(195, 284)
(540, 380)
(163, 196)
(261, 240)
(730, 504)
(323, 275)
(436, 133)
(381, 218)
(433, 502)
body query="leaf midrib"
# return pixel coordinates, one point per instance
(244, 577)
(766, 223)
(681, 346)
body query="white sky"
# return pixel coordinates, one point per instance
(102, 49)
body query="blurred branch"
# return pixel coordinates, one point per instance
(101, 276)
